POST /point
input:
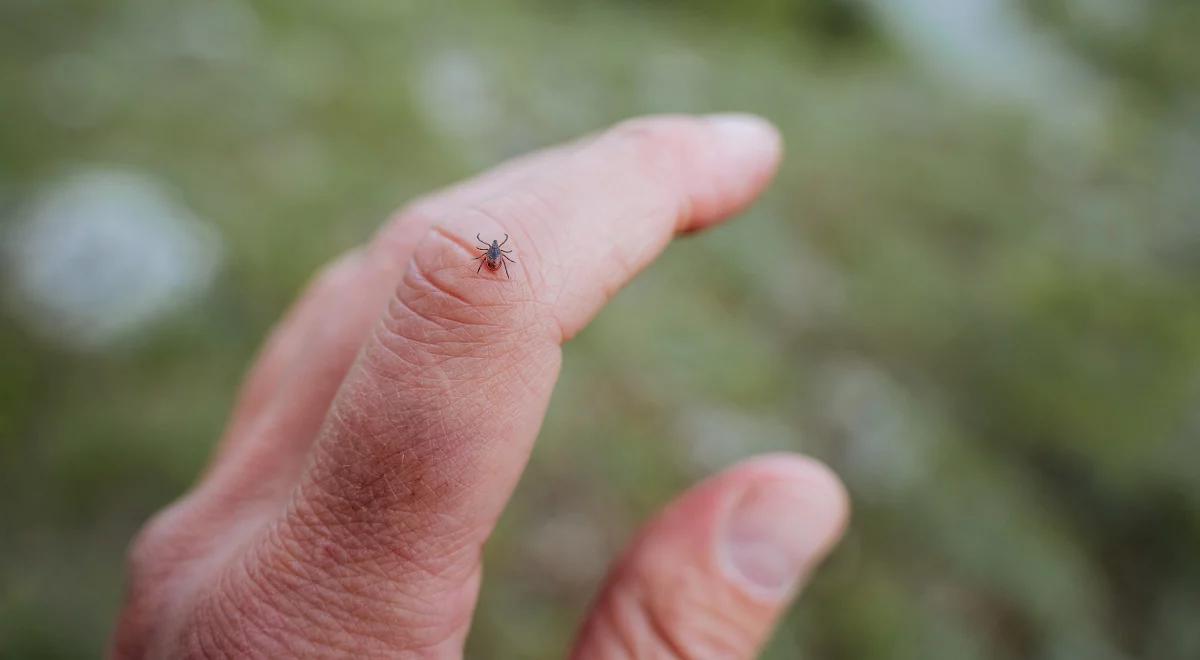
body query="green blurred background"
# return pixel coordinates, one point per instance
(974, 290)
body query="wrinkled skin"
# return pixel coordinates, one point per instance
(346, 508)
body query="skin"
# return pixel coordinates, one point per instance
(346, 507)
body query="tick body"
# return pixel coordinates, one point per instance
(493, 256)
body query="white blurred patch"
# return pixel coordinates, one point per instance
(104, 252)
(989, 47)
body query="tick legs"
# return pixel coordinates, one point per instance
(490, 244)
(483, 258)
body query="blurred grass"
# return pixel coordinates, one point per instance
(987, 321)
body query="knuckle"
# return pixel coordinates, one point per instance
(445, 308)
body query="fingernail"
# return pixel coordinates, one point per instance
(774, 534)
(750, 135)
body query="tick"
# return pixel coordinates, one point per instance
(493, 257)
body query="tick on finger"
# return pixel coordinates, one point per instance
(493, 257)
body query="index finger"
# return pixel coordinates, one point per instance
(434, 423)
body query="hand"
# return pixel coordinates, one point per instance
(391, 413)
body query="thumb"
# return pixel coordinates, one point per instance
(709, 577)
